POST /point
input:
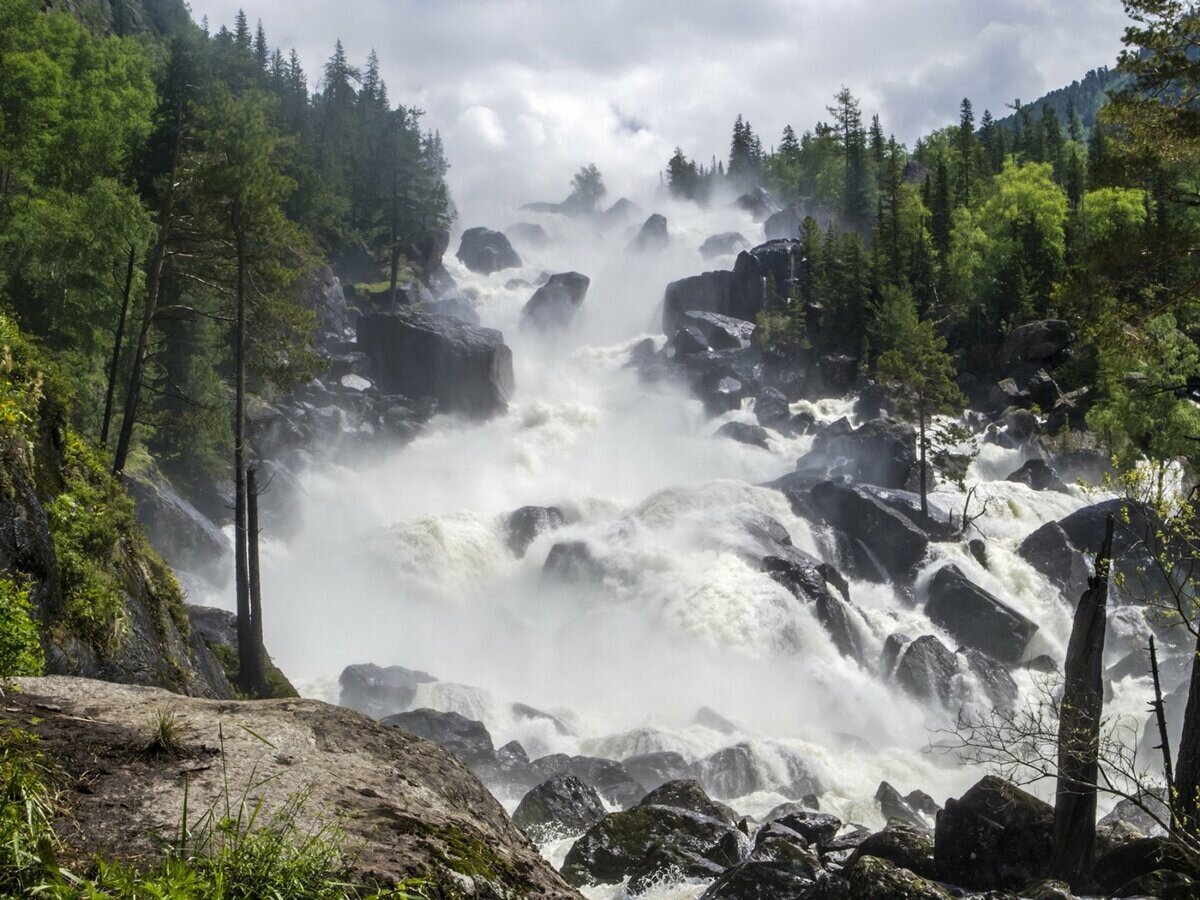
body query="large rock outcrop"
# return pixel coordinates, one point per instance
(485, 251)
(976, 618)
(553, 306)
(467, 369)
(406, 807)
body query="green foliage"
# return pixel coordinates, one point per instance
(914, 361)
(587, 186)
(20, 640)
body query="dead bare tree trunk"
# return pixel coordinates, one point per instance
(1187, 764)
(1164, 742)
(1079, 730)
(258, 673)
(118, 343)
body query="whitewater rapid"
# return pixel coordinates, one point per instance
(403, 558)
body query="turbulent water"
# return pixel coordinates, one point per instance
(403, 560)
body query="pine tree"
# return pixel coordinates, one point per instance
(965, 147)
(262, 52)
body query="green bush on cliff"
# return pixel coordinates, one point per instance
(20, 645)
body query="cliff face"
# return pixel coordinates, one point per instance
(105, 603)
(156, 17)
(406, 807)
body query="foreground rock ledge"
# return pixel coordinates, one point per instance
(408, 806)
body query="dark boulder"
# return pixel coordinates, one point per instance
(1050, 551)
(807, 582)
(688, 341)
(761, 879)
(573, 562)
(745, 433)
(709, 292)
(924, 667)
(688, 794)
(653, 235)
(817, 828)
(618, 845)
(758, 202)
(725, 244)
(720, 332)
(1036, 342)
(1138, 858)
(559, 807)
(976, 618)
(728, 773)
(880, 452)
(653, 770)
(465, 738)
(890, 537)
(872, 878)
(992, 677)
(379, 691)
(786, 223)
(995, 837)
(528, 522)
(485, 251)
(454, 308)
(774, 842)
(1162, 883)
(608, 777)
(772, 410)
(667, 864)
(905, 845)
(723, 395)
(467, 369)
(893, 806)
(774, 260)
(553, 306)
(1038, 474)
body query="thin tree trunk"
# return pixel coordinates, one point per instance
(1160, 719)
(924, 467)
(118, 341)
(245, 631)
(1079, 730)
(153, 283)
(1187, 763)
(258, 671)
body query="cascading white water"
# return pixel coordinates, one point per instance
(403, 560)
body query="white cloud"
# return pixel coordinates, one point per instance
(525, 91)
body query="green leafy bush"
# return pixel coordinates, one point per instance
(20, 648)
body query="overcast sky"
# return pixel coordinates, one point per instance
(525, 91)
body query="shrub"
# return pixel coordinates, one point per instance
(20, 648)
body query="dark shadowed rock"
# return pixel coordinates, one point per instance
(880, 452)
(1162, 883)
(725, 244)
(468, 369)
(608, 777)
(653, 770)
(485, 251)
(1049, 550)
(890, 537)
(720, 332)
(688, 794)
(561, 806)
(728, 773)
(976, 618)
(758, 202)
(1136, 859)
(905, 845)
(553, 306)
(526, 523)
(995, 837)
(1038, 474)
(709, 292)
(688, 341)
(872, 878)
(667, 864)
(894, 806)
(186, 538)
(618, 845)
(807, 582)
(380, 691)
(745, 433)
(774, 260)
(786, 223)
(817, 828)
(772, 410)
(924, 667)
(573, 562)
(467, 739)
(759, 880)
(653, 235)
(1036, 342)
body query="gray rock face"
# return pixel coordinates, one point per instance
(185, 537)
(467, 739)
(976, 618)
(379, 691)
(758, 202)
(553, 306)
(720, 332)
(467, 369)
(878, 452)
(608, 777)
(725, 244)
(526, 523)
(688, 794)
(744, 433)
(653, 235)
(807, 582)
(485, 251)
(561, 806)
(890, 537)
(709, 292)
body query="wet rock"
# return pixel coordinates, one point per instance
(528, 522)
(709, 292)
(724, 396)
(993, 677)
(725, 244)
(528, 713)
(758, 202)
(467, 369)
(380, 691)
(1036, 342)
(688, 341)
(904, 845)
(978, 550)
(1160, 883)
(653, 235)
(872, 878)
(728, 773)
(653, 770)
(994, 837)
(455, 308)
(689, 795)
(776, 260)
(786, 223)
(666, 865)
(1138, 858)
(889, 537)
(976, 618)
(561, 806)
(608, 777)
(744, 433)
(808, 583)
(553, 306)
(817, 828)
(485, 251)
(465, 738)
(756, 879)
(573, 562)
(775, 842)
(894, 806)
(720, 332)
(772, 410)
(1050, 551)
(1037, 474)
(618, 845)
(1048, 889)
(924, 667)
(880, 452)
(186, 538)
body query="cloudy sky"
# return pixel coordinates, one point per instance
(525, 91)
